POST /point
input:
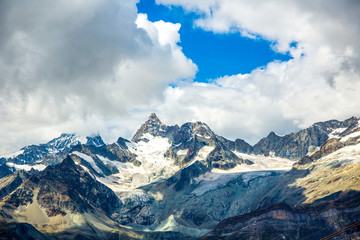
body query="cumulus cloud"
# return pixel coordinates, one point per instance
(320, 82)
(84, 66)
(80, 66)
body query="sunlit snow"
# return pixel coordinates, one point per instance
(26, 167)
(154, 166)
(89, 160)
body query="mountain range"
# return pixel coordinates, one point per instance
(185, 182)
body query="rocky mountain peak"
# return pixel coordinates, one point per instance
(154, 119)
(65, 141)
(57, 147)
(297, 145)
(95, 141)
(68, 162)
(198, 128)
(154, 127)
(273, 135)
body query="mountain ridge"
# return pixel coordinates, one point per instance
(289, 146)
(185, 181)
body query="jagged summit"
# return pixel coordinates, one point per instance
(297, 145)
(153, 118)
(58, 146)
(66, 140)
(96, 141)
(198, 128)
(273, 134)
(62, 190)
(187, 179)
(154, 127)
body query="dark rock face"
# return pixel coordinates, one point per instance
(144, 209)
(222, 158)
(64, 141)
(238, 145)
(182, 178)
(55, 150)
(58, 147)
(121, 154)
(188, 195)
(31, 154)
(313, 221)
(122, 142)
(11, 182)
(192, 136)
(113, 152)
(334, 144)
(5, 170)
(296, 145)
(188, 130)
(154, 127)
(255, 205)
(23, 231)
(95, 141)
(242, 146)
(22, 196)
(83, 191)
(65, 187)
(136, 209)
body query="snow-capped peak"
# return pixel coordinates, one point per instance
(153, 118)
(154, 127)
(198, 128)
(66, 141)
(96, 141)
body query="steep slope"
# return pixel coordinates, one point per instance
(11, 182)
(156, 128)
(334, 167)
(60, 197)
(280, 221)
(190, 142)
(53, 151)
(299, 144)
(163, 165)
(349, 136)
(5, 170)
(21, 231)
(183, 179)
(319, 196)
(201, 196)
(65, 201)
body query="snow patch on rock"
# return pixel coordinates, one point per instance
(26, 167)
(154, 166)
(89, 160)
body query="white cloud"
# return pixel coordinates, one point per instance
(81, 66)
(321, 82)
(91, 65)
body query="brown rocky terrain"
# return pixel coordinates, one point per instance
(175, 182)
(299, 144)
(281, 221)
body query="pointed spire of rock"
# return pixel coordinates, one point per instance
(272, 134)
(96, 141)
(151, 126)
(153, 118)
(156, 128)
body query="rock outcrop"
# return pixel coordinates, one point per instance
(281, 221)
(299, 144)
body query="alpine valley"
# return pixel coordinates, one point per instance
(185, 182)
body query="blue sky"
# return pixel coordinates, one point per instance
(99, 66)
(216, 55)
